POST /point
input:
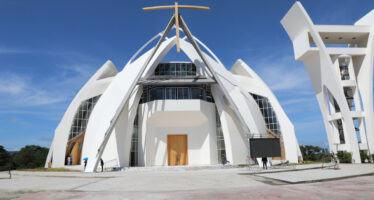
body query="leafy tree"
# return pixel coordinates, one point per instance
(31, 156)
(313, 153)
(4, 158)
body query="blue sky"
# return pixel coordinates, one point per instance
(49, 49)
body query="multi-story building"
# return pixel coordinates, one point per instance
(339, 61)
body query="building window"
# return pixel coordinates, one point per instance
(339, 126)
(81, 117)
(268, 113)
(134, 143)
(221, 150)
(183, 93)
(151, 93)
(170, 93)
(175, 69)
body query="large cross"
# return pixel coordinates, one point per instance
(176, 14)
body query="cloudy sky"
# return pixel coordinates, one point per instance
(49, 49)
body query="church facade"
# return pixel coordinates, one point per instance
(162, 113)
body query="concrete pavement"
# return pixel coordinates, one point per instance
(231, 183)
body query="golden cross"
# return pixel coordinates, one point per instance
(176, 14)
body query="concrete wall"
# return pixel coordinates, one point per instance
(159, 118)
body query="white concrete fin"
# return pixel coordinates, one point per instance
(108, 70)
(368, 19)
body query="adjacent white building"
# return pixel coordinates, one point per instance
(339, 61)
(159, 113)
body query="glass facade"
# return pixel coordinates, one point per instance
(268, 114)
(81, 116)
(221, 149)
(339, 124)
(175, 69)
(134, 143)
(151, 93)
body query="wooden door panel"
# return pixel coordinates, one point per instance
(177, 150)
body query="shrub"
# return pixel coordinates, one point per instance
(364, 156)
(344, 157)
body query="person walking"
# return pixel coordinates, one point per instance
(85, 163)
(264, 163)
(68, 160)
(102, 164)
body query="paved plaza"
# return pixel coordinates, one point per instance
(304, 182)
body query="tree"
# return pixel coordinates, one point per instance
(31, 156)
(313, 153)
(4, 158)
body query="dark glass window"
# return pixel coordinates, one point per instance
(175, 69)
(134, 143)
(221, 150)
(81, 116)
(268, 113)
(151, 93)
(170, 93)
(183, 93)
(196, 93)
(157, 93)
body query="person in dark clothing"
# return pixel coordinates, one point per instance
(264, 163)
(102, 164)
(85, 164)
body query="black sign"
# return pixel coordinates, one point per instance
(265, 147)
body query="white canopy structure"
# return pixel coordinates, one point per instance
(156, 113)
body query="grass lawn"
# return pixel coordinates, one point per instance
(305, 163)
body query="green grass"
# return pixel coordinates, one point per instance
(42, 169)
(307, 162)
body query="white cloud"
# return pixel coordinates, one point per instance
(18, 90)
(282, 73)
(6, 50)
(22, 90)
(11, 84)
(297, 100)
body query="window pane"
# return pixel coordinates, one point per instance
(157, 93)
(170, 93)
(196, 93)
(182, 93)
(172, 69)
(184, 69)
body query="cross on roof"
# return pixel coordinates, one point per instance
(176, 14)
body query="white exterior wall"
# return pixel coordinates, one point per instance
(322, 63)
(94, 87)
(194, 118)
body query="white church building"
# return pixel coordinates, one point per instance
(157, 112)
(339, 61)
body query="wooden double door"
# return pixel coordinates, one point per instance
(177, 150)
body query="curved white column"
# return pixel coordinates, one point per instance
(95, 86)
